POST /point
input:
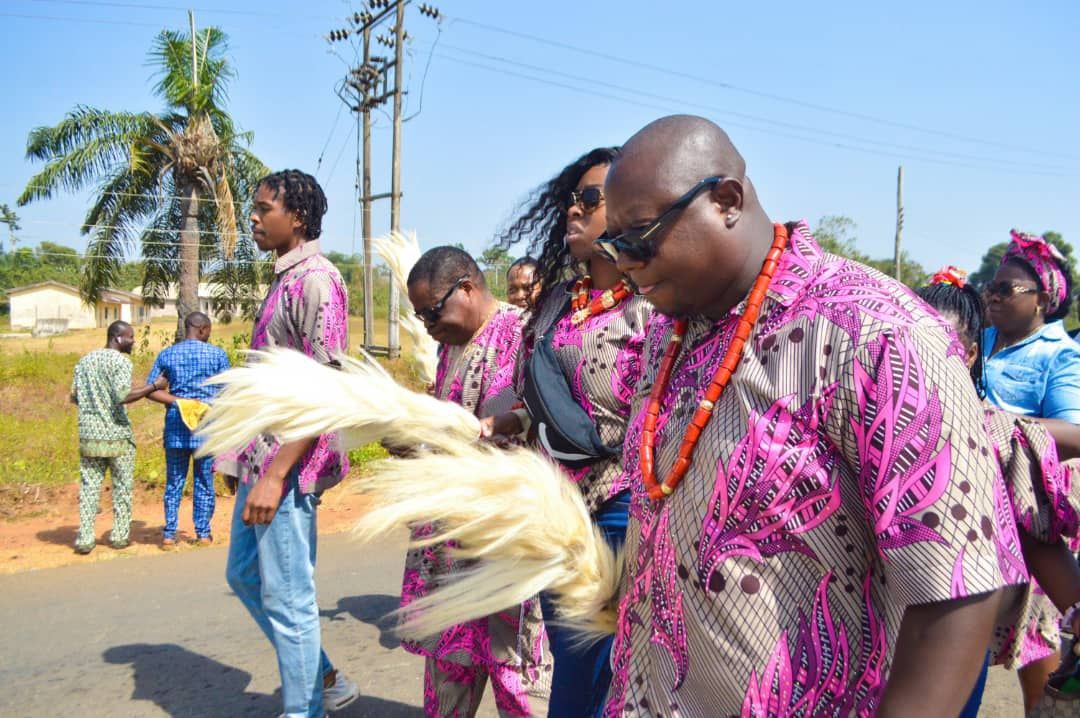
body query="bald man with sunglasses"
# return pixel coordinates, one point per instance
(814, 525)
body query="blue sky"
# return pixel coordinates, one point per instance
(978, 101)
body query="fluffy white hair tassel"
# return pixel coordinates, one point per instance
(515, 512)
(286, 394)
(401, 251)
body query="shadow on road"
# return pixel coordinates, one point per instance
(184, 684)
(370, 609)
(141, 532)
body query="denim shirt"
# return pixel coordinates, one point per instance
(1039, 376)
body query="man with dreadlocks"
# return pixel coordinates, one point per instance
(478, 340)
(272, 551)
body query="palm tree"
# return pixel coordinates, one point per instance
(8, 217)
(170, 179)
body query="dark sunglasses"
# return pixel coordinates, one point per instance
(638, 244)
(432, 313)
(1006, 290)
(588, 198)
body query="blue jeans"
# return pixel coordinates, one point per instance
(272, 570)
(581, 676)
(202, 493)
(971, 708)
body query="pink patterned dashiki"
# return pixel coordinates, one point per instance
(479, 377)
(601, 359)
(1046, 503)
(306, 309)
(846, 474)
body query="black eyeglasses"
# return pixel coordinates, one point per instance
(1006, 290)
(638, 244)
(588, 198)
(432, 313)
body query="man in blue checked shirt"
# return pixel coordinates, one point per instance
(187, 365)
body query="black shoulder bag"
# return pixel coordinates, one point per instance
(563, 428)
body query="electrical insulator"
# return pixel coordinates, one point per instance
(388, 41)
(430, 11)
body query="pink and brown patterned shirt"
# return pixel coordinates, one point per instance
(306, 309)
(601, 359)
(1046, 503)
(479, 377)
(846, 475)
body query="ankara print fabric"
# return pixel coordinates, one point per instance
(601, 360)
(307, 309)
(479, 377)
(846, 474)
(1045, 500)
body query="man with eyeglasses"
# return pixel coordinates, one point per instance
(479, 338)
(814, 527)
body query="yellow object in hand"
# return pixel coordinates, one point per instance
(191, 411)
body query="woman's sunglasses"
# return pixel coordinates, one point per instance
(1006, 290)
(432, 313)
(588, 198)
(639, 244)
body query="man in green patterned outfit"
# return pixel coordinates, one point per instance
(100, 388)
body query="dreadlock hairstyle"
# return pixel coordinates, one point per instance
(1066, 304)
(542, 224)
(440, 267)
(963, 302)
(303, 195)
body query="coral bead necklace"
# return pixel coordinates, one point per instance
(582, 308)
(658, 490)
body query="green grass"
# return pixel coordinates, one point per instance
(40, 429)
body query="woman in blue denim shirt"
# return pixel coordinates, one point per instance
(1032, 365)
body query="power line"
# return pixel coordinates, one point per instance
(590, 89)
(55, 18)
(754, 118)
(318, 163)
(168, 260)
(162, 230)
(750, 91)
(153, 6)
(155, 195)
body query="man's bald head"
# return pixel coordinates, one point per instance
(675, 152)
(704, 256)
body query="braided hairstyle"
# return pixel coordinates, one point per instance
(966, 306)
(542, 224)
(303, 195)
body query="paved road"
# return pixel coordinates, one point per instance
(163, 635)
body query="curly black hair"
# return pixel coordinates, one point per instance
(1025, 266)
(965, 304)
(542, 223)
(303, 195)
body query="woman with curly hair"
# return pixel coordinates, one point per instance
(580, 359)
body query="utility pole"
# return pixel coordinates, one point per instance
(394, 339)
(899, 224)
(365, 211)
(362, 93)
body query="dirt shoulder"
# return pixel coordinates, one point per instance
(42, 533)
